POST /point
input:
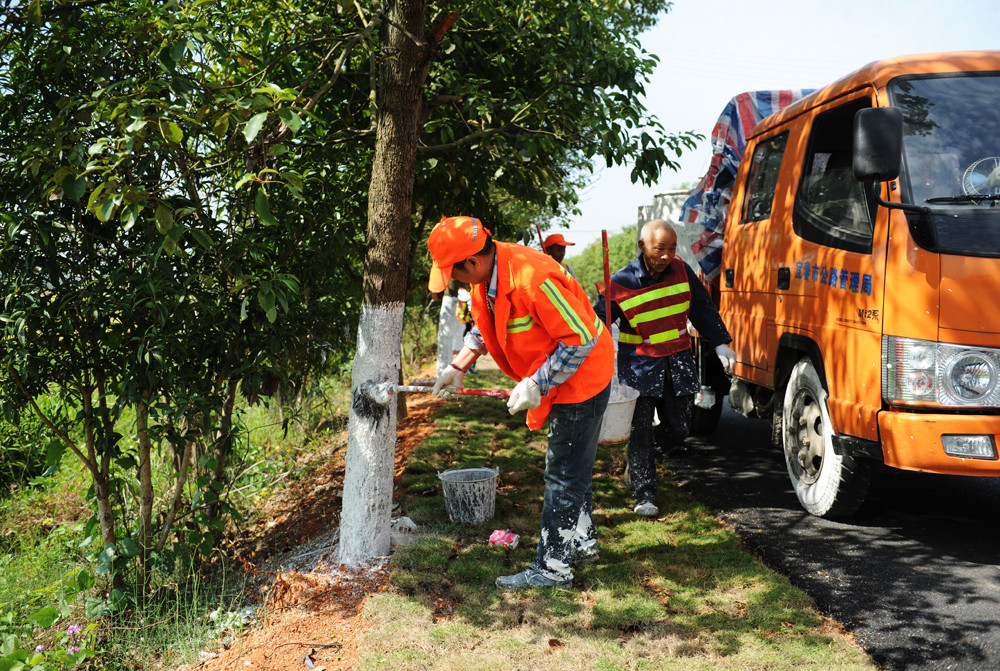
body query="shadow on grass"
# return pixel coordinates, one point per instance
(682, 578)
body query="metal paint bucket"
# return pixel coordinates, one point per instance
(470, 494)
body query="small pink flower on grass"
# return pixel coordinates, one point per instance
(74, 629)
(73, 648)
(39, 648)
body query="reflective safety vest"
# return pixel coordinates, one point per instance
(658, 314)
(463, 312)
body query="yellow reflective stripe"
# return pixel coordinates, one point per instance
(643, 317)
(672, 334)
(647, 296)
(598, 325)
(520, 325)
(636, 339)
(568, 314)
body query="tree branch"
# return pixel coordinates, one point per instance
(48, 422)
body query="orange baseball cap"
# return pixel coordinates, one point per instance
(454, 239)
(556, 239)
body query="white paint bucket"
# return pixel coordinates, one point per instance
(470, 494)
(617, 424)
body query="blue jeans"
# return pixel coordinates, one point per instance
(567, 528)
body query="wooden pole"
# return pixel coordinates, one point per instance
(607, 280)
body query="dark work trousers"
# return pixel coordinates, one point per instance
(567, 528)
(674, 413)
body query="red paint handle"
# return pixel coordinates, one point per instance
(607, 280)
(495, 393)
(541, 241)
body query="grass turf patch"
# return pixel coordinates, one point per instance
(677, 592)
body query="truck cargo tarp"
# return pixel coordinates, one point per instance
(709, 202)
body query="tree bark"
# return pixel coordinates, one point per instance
(145, 497)
(367, 502)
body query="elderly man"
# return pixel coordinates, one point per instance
(536, 323)
(652, 299)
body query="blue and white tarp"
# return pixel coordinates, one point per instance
(709, 202)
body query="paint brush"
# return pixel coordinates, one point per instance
(382, 393)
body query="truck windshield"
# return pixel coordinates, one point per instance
(951, 156)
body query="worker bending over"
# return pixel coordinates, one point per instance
(538, 326)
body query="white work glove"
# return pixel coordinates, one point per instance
(450, 378)
(525, 396)
(727, 357)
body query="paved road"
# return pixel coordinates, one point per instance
(915, 575)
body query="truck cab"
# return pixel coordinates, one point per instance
(860, 276)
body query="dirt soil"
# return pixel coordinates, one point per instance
(311, 606)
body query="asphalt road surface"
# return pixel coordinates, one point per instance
(915, 574)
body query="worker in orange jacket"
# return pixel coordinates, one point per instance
(537, 324)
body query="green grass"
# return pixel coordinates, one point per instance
(678, 592)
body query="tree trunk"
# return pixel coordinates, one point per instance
(145, 497)
(223, 447)
(367, 498)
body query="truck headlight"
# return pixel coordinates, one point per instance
(922, 372)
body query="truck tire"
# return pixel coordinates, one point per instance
(826, 483)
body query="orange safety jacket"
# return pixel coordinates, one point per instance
(657, 313)
(538, 305)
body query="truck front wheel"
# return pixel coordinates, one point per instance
(826, 483)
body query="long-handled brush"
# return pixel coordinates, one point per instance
(382, 393)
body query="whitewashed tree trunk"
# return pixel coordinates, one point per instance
(371, 438)
(449, 332)
(405, 53)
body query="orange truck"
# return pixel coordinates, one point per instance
(860, 276)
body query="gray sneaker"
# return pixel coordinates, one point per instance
(529, 577)
(646, 509)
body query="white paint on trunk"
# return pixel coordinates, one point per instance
(450, 332)
(366, 516)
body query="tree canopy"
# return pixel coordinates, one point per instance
(184, 193)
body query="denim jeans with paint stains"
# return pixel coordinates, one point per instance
(675, 423)
(567, 528)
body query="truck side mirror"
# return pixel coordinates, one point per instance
(878, 144)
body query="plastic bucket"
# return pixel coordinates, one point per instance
(617, 424)
(470, 494)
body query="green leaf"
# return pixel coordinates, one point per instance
(84, 580)
(129, 547)
(117, 600)
(244, 179)
(291, 119)
(171, 132)
(221, 126)
(164, 218)
(264, 209)
(202, 238)
(95, 608)
(254, 125)
(106, 210)
(73, 187)
(44, 617)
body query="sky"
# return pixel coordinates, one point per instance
(711, 51)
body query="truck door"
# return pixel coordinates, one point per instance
(747, 298)
(836, 265)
